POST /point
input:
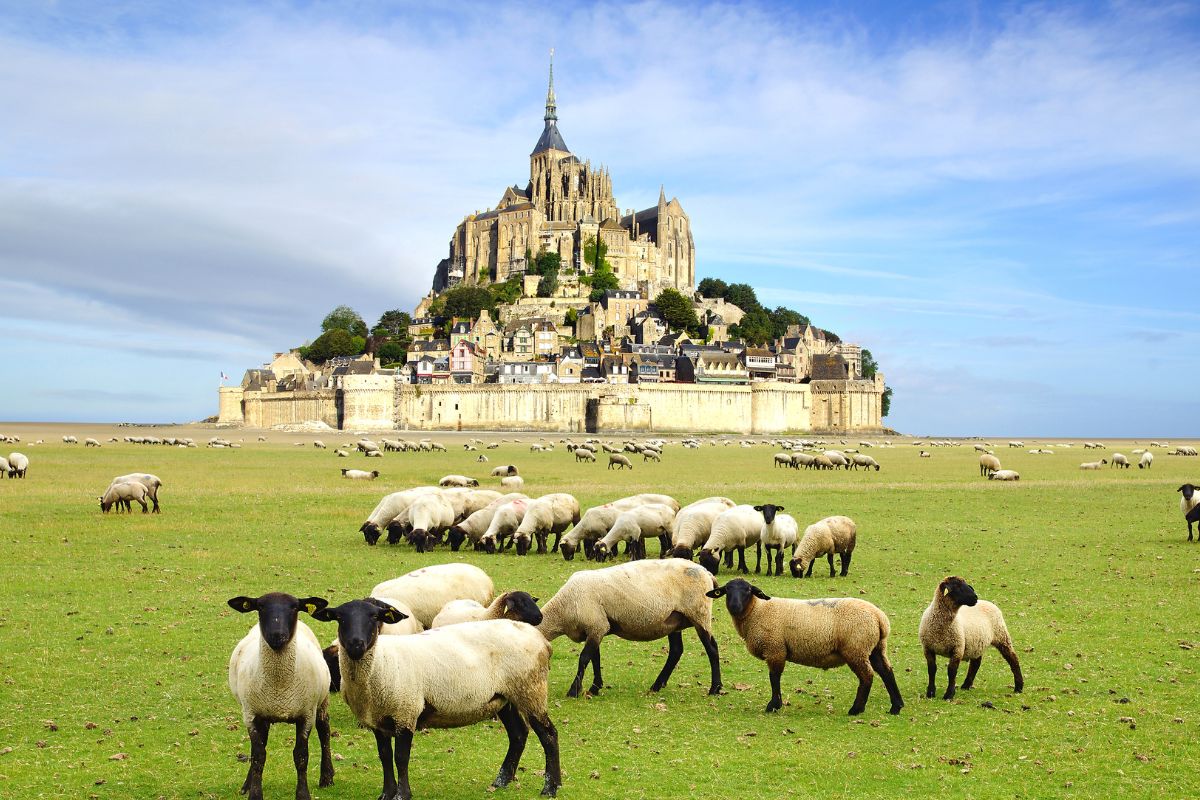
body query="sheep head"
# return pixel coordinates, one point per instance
(277, 614)
(710, 560)
(371, 532)
(957, 592)
(359, 622)
(738, 594)
(522, 607)
(768, 511)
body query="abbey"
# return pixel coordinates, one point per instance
(566, 203)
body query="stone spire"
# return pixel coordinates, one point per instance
(662, 196)
(551, 108)
(550, 139)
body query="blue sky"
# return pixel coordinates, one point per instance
(1000, 200)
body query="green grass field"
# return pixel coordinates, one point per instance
(116, 636)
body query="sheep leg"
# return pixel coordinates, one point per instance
(951, 675)
(155, 499)
(541, 541)
(758, 557)
(866, 676)
(674, 651)
(664, 544)
(326, 753)
(517, 734)
(259, 730)
(811, 564)
(972, 668)
(830, 557)
(779, 562)
(589, 654)
(931, 665)
(714, 661)
(548, 737)
(557, 538)
(776, 702)
(1010, 655)
(846, 563)
(741, 551)
(300, 759)
(729, 559)
(400, 788)
(880, 664)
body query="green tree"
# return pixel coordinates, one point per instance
(394, 323)
(782, 318)
(885, 404)
(333, 342)
(572, 317)
(755, 327)
(742, 295)
(713, 287)
(869, 365)
(347, 319)
(676, 310)
(507, 292)
(547, 265)
(603, 280)
(468, 301)
(392, 353)
(597, 261)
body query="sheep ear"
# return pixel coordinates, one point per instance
(243, 604)
(717, 592)
(325, 614)
(759, 593)
(312, 604)
(391, 615)
(780, 508)
(945, 591)
(758, 508)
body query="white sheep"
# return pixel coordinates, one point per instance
(837, 458)
(837, 534)
(640, 601)
(517, 606)
(430, 516)
(859, 460)
(1093, 464)
(462, 481)
(504, 524)
(649, 454)
(4, 467)
(504, 470)
(619, 461)
(1120, 460)
(958, 625)
(988, 464)
(733, 529)
(450, 677)
(779, 531)
(318, 444)
(783, 460)
(18, 464)
(278, 674)
(550, 513)
(1146, 461)
(152, 483)
(1190, 499)
(511, 483)
(476, 523)
(693, 524)
(584, 454)
(822, 633)
(632, 527)
(386, 511)
(428, 589)
(360, 474)
(123, 495)
(1005, 475)
(89, 442)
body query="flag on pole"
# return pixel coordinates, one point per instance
(224, 377)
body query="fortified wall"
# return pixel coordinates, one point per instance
(378, 402)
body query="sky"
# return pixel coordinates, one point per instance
(1000, 200)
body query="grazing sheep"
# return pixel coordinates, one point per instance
(4, 467)
(1146, 461)
(70, 440)
(988, 464)
(778, 531)
(693, 524)
(388, 509)
(958, 625)
(318, 444)
(457, 480)
(512, 483)
(428, 589)
(430, 515)
(837, 534)
(1005, 475)
(632, 527)
(152, 483)
(858, 460)
(1093, 464)
(1119, 460)
(640, 601)
(476, 523)
(277, 674)
(504, 470)
(802, 460)
(824, 633)
(1016, 444)
(517, 606)
(821, 461)
(550, 513)
(366, 446)
(360, 474)
(733, 529)
(1189, 500)
(651, 455)
(619, 461)
(342, 454)
(505, 521)
(584, 454)
(18, 464)
(836, 458)
(482, 459)
(89, 442)
(446, 678)
(122, 495)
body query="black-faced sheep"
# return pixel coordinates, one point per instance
(733, 530)
(548, 514)
(779, 531)
(1189, 501)
(360, 474)
(476, 523)
(18, 464)
(1120, 460)
(1146, 461)
(445, 678)
(837, 534)
(277, 674)
(504, 470)
(632, 527)
(388, 509)
(619, 461)
(462, 481)
(958, 625)
(640, 601)
(517, 606)
(859, 460)
(824, 633)
(152, 483)
(122, 495)
(428, 589)
(693, 524)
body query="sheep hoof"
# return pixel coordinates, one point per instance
(502, 780)
(772, 707)
(949, 695)
(856, 710)
(573, 691)
(549, 790)
(896, 709)
(326, 779)
(930, 693)
(595, 688)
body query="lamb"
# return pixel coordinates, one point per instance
(619, 461)
(504, 524)
(122, 495)
(504, 470)
(632, 527)
(778, 531)
(837, 534)
(550, 513)
(733, 529)
(360, 474)
(958, 625)
(1120, 460)
(1093, 464)
(518, 606)
(1189, 500)
(640, 601)
(1146, 461)
(693, 524)
(859, 460)
(584, 454)
(822, 633)
(450, 677)
(18, 464)
(476, 523)
(388, 509)
(277, 674)
(457, 480)
(428, 589)
(1005, 475)
(988, 464)
(152, 483)
(431, 516)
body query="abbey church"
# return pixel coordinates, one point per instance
(566, 203)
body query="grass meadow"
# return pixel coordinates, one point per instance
(116, 636)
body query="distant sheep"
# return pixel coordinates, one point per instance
(1005, 475)
(1094, 464)
(958, 625)
(988, 464)
(18, 464)
(1120, 460)
(504, 470)
(360, 475)
(619, 461)
(583, 454)
(1146, 461)
(457, 480)
(122, 495)
(89, 442)
(152, 483)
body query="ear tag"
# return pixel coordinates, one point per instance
(311, 608)
(945, 591)
(246, 605)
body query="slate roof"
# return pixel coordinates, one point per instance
(550, 139)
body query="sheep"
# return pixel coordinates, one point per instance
(482, 459)
(733, 529)
(437, 446)
(958, 625)
(1146, 461)
(123, 495)
(504, 524)
(801, 460)
(428, 589)
(1119, 460)
(550, 513)
(373, 454)
(431, 515)
(836, 458)
(89, 442)
(632, 527)
(18, 464)
(584, 454)
(778, 531)
(341, 453)
(924, 454)
(388, 509)
(1189, 500)
(468, 501)
(476, 523)
(512, 483)
(152, 483)
(821, 461)
(462, 481)
(1016, 444)
(640, 601)
(493, 446)
(1093, 464)
(619, 461)
(504, 470)
(783, 460)
(1005, 475)
(451, 677)
(988, 464)
(277, 674)
(649, 454)
(837, 534)
(4, 467)
(518, 606)
(70, 440)
(319, 445)
(863, 461)
(366, 446)
(823, 633)
(693, 524)
(360, 474)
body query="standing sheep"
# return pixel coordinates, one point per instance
(152, 483)
(859, 460)
(517, 606)
(475, 524)
(503, 526)
(734, 529)
(824, 633)
(632, 527)
(1189, 500)
(619, 461)
(1120, 460)
(1146, 461)
(958, 625)
(693, 524)
(988, 464)
(18, 463)
(277, 674)
(837, 534)
(550, 513)
(584, 454)
(388, 509)
(640, 601)
(778, 531)
(122, 495)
